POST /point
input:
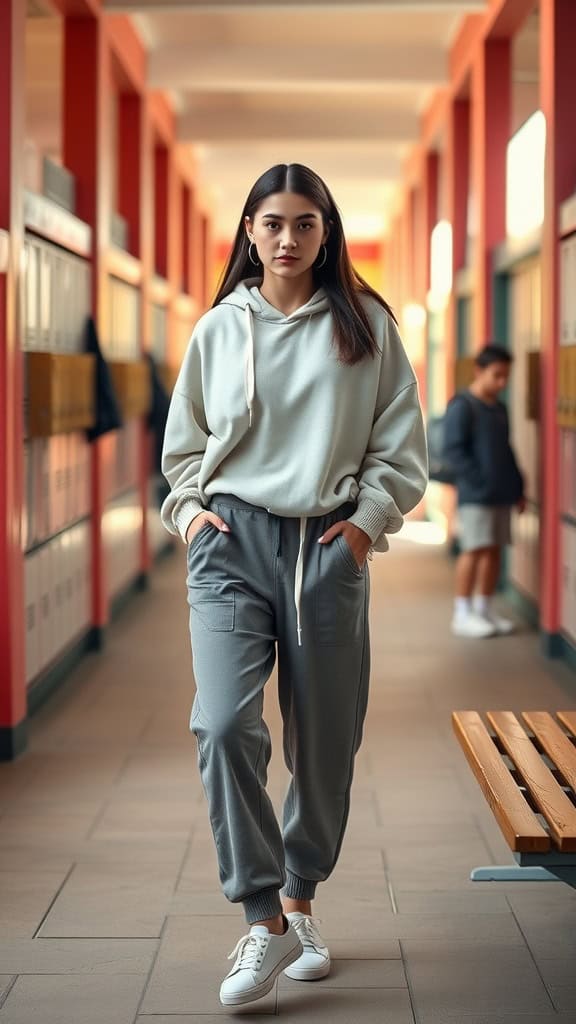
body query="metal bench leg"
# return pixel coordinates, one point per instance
(532, 873)
(567, 875)
(512, 873)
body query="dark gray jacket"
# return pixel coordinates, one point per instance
(477, 447)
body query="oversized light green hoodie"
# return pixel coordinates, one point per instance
(263, 409)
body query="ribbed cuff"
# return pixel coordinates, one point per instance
(376, 519)
(262, 905)
(185, 515)
(297, 888)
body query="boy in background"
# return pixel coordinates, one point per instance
(489, 484)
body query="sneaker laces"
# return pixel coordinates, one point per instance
(249, 952)
(307, 931)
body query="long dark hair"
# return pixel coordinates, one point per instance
(353, 332)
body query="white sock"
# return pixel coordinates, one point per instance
(462, 606)
(482, 604)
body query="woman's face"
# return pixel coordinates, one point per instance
(287, 231)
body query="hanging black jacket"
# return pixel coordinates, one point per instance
(158, 411)
(107, 410)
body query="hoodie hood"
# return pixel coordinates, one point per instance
(247, 298)
(247, 295)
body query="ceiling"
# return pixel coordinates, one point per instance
(338, 86)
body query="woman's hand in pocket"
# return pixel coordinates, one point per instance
(201, 520)
(357, 540)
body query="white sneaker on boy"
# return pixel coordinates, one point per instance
(472, 625)
(502, 626)
(315, 960)
(260, 957)
(484, 606)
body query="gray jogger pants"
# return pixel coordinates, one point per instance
(241, 591)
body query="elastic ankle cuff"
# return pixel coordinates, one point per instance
(262, 905)
(297, 888)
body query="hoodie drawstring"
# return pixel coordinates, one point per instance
(249, 391)
(298, 577)
(249, 377)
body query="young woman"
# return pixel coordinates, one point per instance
(294, 445)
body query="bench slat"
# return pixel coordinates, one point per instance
(520, 827)
(568, 718)
(554, 742)
(552, 802)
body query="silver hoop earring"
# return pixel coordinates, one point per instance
(324, 258)
(254, 262)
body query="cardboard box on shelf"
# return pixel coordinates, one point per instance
(60, 393)
(132, 386)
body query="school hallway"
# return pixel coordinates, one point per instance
(111, 910)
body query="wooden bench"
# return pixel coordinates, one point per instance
(527, 771)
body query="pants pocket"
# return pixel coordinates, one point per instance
(199, 536)
(215, 614)
(347, 555)
(339, 597)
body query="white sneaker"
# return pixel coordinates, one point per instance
(472, 625)
(315, 960)
(502, 626)
(260, 957)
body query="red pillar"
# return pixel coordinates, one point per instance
(146, 253)
(408, 246)
(12, 673)
(458, 181)
(174, 224)
(161, 198)
(197, 252)
(491, 120)
(185, 200)
(207, 261)
(558, 85)
(134, 200)
(134, 196)
(427, 217)
(412, 283)
(86, 153)
(130, 130)
(396, 264)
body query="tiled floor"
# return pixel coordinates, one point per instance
(110, 911)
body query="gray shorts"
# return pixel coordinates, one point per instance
(484, 526)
